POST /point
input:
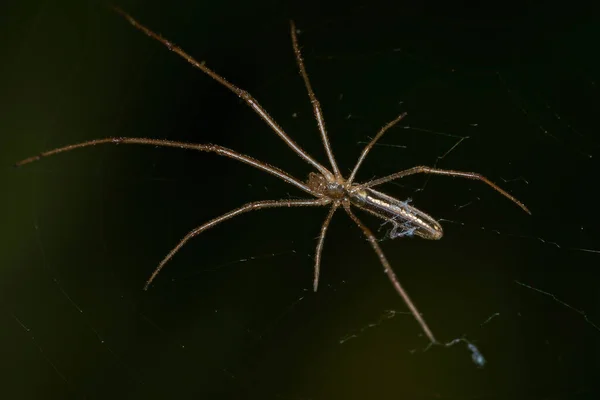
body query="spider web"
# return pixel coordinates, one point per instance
(233, 315)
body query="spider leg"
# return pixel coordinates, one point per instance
(257, 205)
(319, 250)
(446, 172)
(369, 146)
(314, 101)
(247, 97)
(390, 273)
(220, 150)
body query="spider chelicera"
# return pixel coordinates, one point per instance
(328, 186)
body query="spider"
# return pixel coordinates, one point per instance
(328, 186)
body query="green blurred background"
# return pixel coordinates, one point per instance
(81, 232)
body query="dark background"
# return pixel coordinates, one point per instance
(81, 232)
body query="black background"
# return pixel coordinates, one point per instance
(81, 232)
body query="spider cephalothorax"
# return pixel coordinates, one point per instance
(333, 188)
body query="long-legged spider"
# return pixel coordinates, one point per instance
(328, 187)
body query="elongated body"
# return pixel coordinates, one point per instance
(409, 219)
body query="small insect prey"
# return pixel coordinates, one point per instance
(327, 186)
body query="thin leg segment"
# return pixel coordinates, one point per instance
(390, 273)
(447, 172)
(211, 148)
(319, 250)
(314, 101)
(369, 146)
(258, 205)
(247, 97)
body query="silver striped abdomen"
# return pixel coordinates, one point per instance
(410, 220)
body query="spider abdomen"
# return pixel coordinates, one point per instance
(407, 220)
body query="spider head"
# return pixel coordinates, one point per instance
(332, 189)
(317, 182)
